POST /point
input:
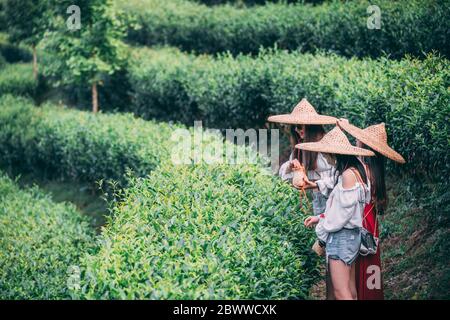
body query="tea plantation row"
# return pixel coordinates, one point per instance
(187, 231)
(17, 79)
(12, 53)
(16, 74)
(251, 2)
(410, 95)
(40, 240)
(204, 232)
(78, 145)
(413, 27)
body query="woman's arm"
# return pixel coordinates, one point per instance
(326, 182)
(326, 171)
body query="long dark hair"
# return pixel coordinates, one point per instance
(376, 166)
(313, 133)
(344, 162)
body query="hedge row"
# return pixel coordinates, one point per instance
(413, 27)
(252, 2)
(40, 240)
(410, 95)
(17, 79)
(185, 231)
(13, 53)
(204, 232)
(3, 61)
(78, 145)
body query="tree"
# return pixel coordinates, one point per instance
(26, 22)
(86, 55)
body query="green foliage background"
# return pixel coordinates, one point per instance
(13, 53)
(413, 27)
(79, 145)
(39, 241)
(18, 79)
(411, 96)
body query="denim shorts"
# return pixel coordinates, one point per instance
(344, 245)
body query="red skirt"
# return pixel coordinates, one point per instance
(369, 280)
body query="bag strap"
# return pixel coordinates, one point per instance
(376, 223)
(359, 179)
(365, 216)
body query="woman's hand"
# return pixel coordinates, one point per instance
(311, 221)
(295, 164)
(310, 184)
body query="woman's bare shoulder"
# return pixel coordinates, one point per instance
(348, 179)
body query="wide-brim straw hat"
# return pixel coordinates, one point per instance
(303, 113)
(374, 137)
(335, 141)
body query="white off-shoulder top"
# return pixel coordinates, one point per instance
(344, 209)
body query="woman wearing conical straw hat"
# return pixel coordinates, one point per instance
(339, 228)
(369, 284)
(307, 126)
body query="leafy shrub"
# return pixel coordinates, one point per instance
(13, 53)
(39, 241)
(406, 27)
(207, 231)
(410, 95)
(203, 232)
(17, 79)
(79, 145)
(252, 2)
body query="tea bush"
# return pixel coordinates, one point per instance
(203, 232)
(218, 231)
(17, 79)
(413, 27)
(79, 145)
(2, 61)
(13, 53)
(39, 241)
(2, 17)
(252, 2)
(410, 95)
(113, 93)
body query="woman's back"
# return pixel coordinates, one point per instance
(345, 206)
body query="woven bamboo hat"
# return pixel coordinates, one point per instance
(303, 113)
(335, 141)
(375, 137)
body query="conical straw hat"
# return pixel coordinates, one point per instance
(375, 137)
(335, 141)
(303, 113)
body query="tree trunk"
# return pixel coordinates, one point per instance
(94, 98)
(35, 67)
